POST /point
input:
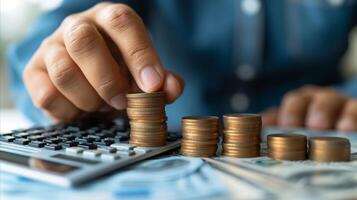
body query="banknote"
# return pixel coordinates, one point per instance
(173, 177)
(298, 179)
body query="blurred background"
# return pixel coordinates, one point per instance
(17, 15)
(15, 18)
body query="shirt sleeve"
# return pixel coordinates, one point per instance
(20, 53)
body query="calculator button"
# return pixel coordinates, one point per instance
(7, 138)
(74, 150)
(22, 135)
(126, 153)
(123, 146)
(95, 137)
(106, 149)
(69, 137)
(36, 137)
(53, 147)
(81, 140)
(22, 141)
(53, 140)
(91, 153)
(143, 150)
(87, 145)
(69, 144)
(89, 139)
(109, 157)
(35, 132)
(6, 134)
(37, 144)
(108, 140)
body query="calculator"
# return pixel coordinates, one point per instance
(72, 154)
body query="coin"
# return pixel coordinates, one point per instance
(200, 136)
(329, 149)
(241, 135)
(146, 95)
(146, 112)
(287, 146)
(285, 156)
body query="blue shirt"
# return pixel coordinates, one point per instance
(235, 55)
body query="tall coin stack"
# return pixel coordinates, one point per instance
(329, 149)
(200, 136)
(241, 137)
(287, 146)
(146, 112)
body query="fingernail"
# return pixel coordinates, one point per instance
(318, 120)
(346, 124)
(150, 78)
(118, 102)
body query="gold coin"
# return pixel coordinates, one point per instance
(240, 145)
(242, 117)
(291, 147)
(148, 129)
(286, 139)
(201, 120)
(144, 121)
(241, 155)
(200, 142)
(246, 124)
(329, 142)
(189, 127)
(239, 131)
(287, 156)
(146, 103)
(197, 154)
(198, 147)
(148, 138)
(148, 134)
(146, 95)
(328, 158)
(200, 137)
(241, 136)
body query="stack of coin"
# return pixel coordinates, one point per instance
(287, 146)
(242, 135)
(200, 136)
(329, 149)
(147, 118)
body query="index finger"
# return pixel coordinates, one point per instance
(127, 31)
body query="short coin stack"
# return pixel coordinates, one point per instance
(242, 135)
(329, 149)
(146, 112)
(200, 136)
(287, 146)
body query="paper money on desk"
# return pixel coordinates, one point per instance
(270, 179)
(165, 178)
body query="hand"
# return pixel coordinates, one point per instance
(316, 108)
(92, 60)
